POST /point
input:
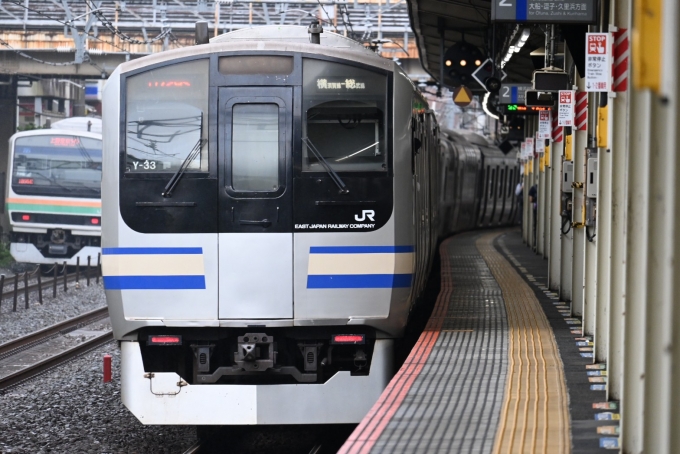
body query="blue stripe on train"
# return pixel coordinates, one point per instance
(151, 250)
(154, 282)
(359, 249)
(358, 280)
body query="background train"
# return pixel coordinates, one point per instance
(54, 193)
(271, 209)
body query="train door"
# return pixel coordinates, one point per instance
(255, 204)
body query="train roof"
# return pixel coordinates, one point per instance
(290, 34)
(269, 38)
(470, 137)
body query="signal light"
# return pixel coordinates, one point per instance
(448, 62)
(348, 339)
(165, 340)
(25, 217)
(478, 62)
(463, 62)
(94, 221)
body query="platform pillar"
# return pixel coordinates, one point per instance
(555, 253)
(591, 240)
(619, 119)
(637, 227)
(579, 235)
(661, 288)
(567, 239)
(541, 212)
(603, 229)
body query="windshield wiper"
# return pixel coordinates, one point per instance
(334, 176)
(167, 192)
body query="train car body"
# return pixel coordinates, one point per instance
(53, 193)
(271, 212)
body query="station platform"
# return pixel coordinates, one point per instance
(501, 367)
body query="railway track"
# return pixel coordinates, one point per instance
(36, 339)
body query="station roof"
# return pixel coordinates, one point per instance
(469, 21)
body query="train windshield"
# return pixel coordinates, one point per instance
(345, 117)
(166, 119)
(57, 165)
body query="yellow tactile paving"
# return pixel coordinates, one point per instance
(535, 414)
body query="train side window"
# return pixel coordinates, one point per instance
(344, 117)
(492, 180)
(255, 147)
(166, 120)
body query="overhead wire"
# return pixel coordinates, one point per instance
(348, 23)
(89, 34)
(116, 31)
(327, 15)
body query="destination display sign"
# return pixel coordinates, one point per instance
(544, 11)
(513, 93)
(522, 110)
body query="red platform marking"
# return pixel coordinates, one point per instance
(363, 438)
(581, 120)
(621, 54)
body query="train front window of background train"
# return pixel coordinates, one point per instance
(166, 118)
(59, 165)
(255, 147)
(345, 117)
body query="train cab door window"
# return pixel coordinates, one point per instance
(255, 147)
(255, 137)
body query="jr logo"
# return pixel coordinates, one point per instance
(365, 214)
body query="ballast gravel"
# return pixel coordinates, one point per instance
(77, 300)
(71, 410)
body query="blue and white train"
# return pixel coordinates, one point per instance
(271, 209)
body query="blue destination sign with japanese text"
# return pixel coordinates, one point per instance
(544, 11)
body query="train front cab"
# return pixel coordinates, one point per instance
(53, 197)
(260, 254)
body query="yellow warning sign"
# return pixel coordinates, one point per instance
(462, 96)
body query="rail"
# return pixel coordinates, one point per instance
(18, 345)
